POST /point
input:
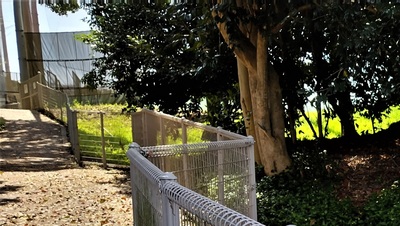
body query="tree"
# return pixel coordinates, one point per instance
(351, 50)
(248, 27)
(272, 41)
(261, 96)
(152, 55)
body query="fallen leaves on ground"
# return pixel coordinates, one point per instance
(78, 196)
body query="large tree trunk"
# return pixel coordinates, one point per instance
(268, 112)
(250, 47)
(245, 101)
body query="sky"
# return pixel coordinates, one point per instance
(48, 22)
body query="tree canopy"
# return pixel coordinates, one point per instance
(158, 56)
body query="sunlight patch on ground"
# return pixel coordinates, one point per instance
(359, 160)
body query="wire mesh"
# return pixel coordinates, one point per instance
(104, 137)
(145, 190)
(54, 101)
(196, 209)
(155, 128)
(217, 170)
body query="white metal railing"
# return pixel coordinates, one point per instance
(159, 199)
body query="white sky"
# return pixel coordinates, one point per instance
(48, 22)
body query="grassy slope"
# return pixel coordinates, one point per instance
(363, 124)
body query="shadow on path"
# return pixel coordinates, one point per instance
(32, 142)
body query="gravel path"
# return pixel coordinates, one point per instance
(41, 185)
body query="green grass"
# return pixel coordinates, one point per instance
(363, 125)
(195, 135)
(117, 131)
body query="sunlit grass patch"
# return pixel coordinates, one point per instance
(363, 125)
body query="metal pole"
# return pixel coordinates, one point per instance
(162, 131)
(221, 193)
(170, 210)
(103, 144)
(74, 133)
(185, 153)
(252, 181)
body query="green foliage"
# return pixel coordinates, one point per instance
(290, 199)
(303, 195)
(62, 9)
(363, 124)
(2, 123)
(383, 208)
(117, 130)
(158, 56)
(224, 110)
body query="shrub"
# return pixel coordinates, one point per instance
(383, 208)
(303, 195)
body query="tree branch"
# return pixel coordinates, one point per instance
(244, 50)
(279, 26)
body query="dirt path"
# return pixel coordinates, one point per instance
(41, 185)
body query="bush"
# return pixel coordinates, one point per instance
(283, 200)
(304, 195)
(383, 208)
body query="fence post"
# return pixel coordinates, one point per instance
(75, 136)
(221, 195)
(103, 144)
(252, 180)
(144, 129)
(40, 96)
(61, 103)
(170, 210)
(185, 153)
(162, 132)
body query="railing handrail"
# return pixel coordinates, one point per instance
(150, 169)
(209, 146)
(207, 209)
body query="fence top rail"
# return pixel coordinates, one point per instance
(136, 156)
(67, 101)
(204, 208)
(187, 122)
(34, 78)
(57, 91)
(195, 147)
(90, 112)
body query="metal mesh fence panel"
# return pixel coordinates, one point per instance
(104, 137)
(54, 101)
(146, 196)
(175, 204)
(29, 93)
(217, 170)
(196, 209)
(154, 128)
